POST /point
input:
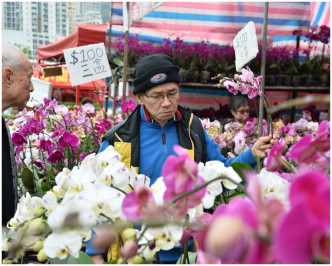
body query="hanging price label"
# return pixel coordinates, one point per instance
(87, 63)
(245, 45)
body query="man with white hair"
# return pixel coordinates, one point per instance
(16, 87)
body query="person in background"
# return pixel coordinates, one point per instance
(158, 124)
(16, 87)
(239, 108)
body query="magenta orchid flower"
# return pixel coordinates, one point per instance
(68, 140)
(18, 139)
(46, 145)
(128, 106)
(232, 86)
(135, 201)
(56, 156)
(34, 126)
(272, 162)
(180, 176)
(58, 131)
(40, 164)
(304, 233)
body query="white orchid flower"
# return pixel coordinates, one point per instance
(27, 209)
(62, 244)
(116, 174)
(104, 200)
(158, 190)
(49, 202)
(274, 186)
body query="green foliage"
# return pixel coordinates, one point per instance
(241, 169)
(82, 259)
(191, 256)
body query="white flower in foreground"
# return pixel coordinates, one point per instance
(49, 202)
(274, 186)
(211, 170)
(165, 238)
(27, 209)
(62, 244)
(103, 200)
(74, 215)
(312, 126)
(208, 172)
(158, 190)
(116, 174)
(239, 141)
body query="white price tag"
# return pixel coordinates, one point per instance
(245, 45)
(87, 63)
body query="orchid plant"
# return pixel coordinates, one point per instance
(134, 221)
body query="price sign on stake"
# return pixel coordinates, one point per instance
(245, 45)
(87, 63)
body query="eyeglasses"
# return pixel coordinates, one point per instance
(160, 97)
(242, 112)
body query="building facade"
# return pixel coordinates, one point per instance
(31, 24)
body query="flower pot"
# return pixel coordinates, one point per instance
(183, 74)
(323, 80)
(205, 75)
(194, 76)
(296, 80)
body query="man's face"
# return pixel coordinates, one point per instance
(22, 85)
(161, 107)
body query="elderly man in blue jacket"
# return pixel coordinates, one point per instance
(148, 136)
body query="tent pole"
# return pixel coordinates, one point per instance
(108, 85)
(77, 95)
(126, 22)
(261, 104)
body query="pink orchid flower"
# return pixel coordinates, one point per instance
(128, 106)
(272, 161)
(180, 176)
(304, 233)
(88, 108)
(135, 201)
(61, 109)
(56, 156)
(232, 86)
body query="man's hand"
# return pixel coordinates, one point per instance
(262, 146)
(97, 259)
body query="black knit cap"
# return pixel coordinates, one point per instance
(153, 70)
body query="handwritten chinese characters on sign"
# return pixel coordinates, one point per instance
(87, 63)
(245, 45)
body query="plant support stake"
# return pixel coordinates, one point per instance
(261, 103)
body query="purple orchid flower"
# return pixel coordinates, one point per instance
(68, 140)
(56, 156)
(18, 139)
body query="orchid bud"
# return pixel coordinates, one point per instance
(38, 246)
(38, 211)
(129, 249)
(35, 226)
(221, 81)
(7, 261)
(152, 245)
(136, 260)
(129, 233)
(41, 256)
(223, 234)
(236, 76)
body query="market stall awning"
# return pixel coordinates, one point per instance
(84, 35)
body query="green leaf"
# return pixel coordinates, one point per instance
(192, 258)
(112, 262)
(27, 179)
(118, 62)
(241, 168)
(82, 259)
